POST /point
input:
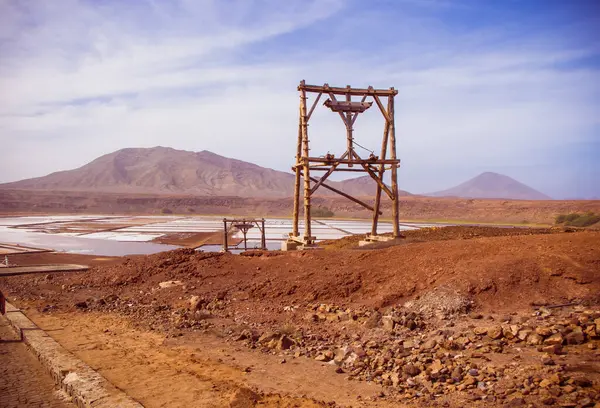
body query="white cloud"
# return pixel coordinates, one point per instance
(81, 80)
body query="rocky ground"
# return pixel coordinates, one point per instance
(450, 317)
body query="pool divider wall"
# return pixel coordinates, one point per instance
(85, 386)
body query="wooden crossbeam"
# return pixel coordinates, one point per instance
(326, 175)
(351, 91)
(314, 105)
(381, 108)
(350, 161)
(348, 196)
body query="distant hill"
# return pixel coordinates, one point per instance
(363, 186)
(163, 170)
(492, 185)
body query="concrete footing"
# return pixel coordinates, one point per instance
(297, 246)
(290, 245)
(86, 386)
(371, 239)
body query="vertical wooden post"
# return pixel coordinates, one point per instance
(225, 245)
(306, 168)
(384, 144)
(263, 241)
(395, 201)
(296, 216)
(348, 121)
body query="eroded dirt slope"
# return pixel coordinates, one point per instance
(457, 317)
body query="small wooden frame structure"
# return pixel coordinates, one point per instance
(243, 225)
(373, 165)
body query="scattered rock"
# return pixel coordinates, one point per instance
(284, 343)
(547, 360)
(195, 303)
(388, 323)
(556, 338)
(534, 339)
(267, 337)
(411, 370)
(553, 349)
(244, 398)
(495, 333)
(523, 334)
(322, 357)
(81, 305)
(548, 400)
(543, 331)
(582, 381)
(169, 284)
(373, 320)
(429, 344)
(575, 337)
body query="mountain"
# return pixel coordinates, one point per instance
(492, 185)
(363, 186)
(163, 170)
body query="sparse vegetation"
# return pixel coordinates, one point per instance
(166, 211)
(190, 209)
(578, 220)
(321, 212)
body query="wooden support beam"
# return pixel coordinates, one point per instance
(305, 169)
(384, 143)
(263, 238)
(225, 233)
(395, 200)
(381, 108)
(351, 161)
(348, 196)
(314, 105)
(326, 175)
(332, 96)
(343, 91)
(380, 182)
(364, 98)
(296, 214)
(337, 169)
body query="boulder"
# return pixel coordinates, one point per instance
(575, 337)
(388, 323)
(552, 349)
(429, 344)
(495, 332)
(284, 343)
(195, 303)
(373, 321)
(534, 339)
(556, 338)
(523, 334)
(169, 284)
(268, 337)
(411, 370)
(244, 397)
(543, 331)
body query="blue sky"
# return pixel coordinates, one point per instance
(509, 86)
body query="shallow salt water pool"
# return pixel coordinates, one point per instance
(116, 235)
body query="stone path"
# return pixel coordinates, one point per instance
(23, 381)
